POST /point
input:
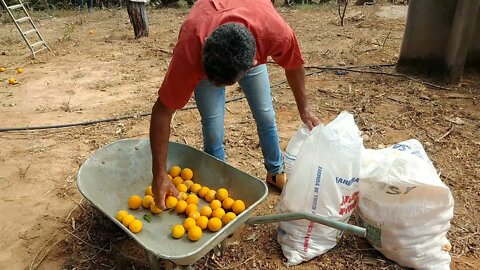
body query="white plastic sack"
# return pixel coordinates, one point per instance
(405, 206)
(322, 179)
(293, 148)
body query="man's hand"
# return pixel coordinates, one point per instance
(160, 188)
(309, 119)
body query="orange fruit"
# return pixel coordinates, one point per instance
(135, 226)
(183, 196)
(171, 202)
(191, 208)
(177, 180)
(121, 214)
(215, 204)
(187, 174)
(147, 201)
(227, 203)
(154, 209)
(238, 207)
(182, 188)
(181, 206)
(148, 191)
(3, 69)
(170, 177)
(19, 70)
(214, 224)
(175, 171)
(228, 217)
(12, 81)
(195, 188)
(188, 183)
(195, 233)
(203, 191)
(194, 214)
(128, 219)
(178, 231)
(189, 223)
(192, 198)
(219, 213)
(134, 202)
(222, 194)
(210, 196)
(202, 222)
(206, 211)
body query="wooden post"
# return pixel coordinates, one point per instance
(426, 37)
(473, 56)
(138, 17)
(461, 37)
(441, 37)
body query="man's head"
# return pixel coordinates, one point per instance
(228, 53)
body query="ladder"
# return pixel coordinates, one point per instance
(32, 36)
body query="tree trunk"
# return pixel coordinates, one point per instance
(138, 17)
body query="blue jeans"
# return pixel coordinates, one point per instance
(211, 105)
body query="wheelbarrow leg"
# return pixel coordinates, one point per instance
(152, 260)
(171, 266)
(168, 265)
(220, 249)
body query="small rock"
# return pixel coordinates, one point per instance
(355, 17)
(457, 120)
(252, 237)
(365, 137)
(425, 97)
(381, 146)
(447, 247)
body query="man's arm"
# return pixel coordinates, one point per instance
(159, 136)
(296, 80)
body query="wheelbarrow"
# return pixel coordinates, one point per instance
(115, 172)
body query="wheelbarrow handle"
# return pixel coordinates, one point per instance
(348, 228)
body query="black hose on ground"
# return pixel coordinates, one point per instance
(112, 119)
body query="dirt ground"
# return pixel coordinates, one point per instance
(97, 70)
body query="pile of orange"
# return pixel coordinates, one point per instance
(129, 220)
(221, 209)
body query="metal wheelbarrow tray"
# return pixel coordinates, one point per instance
(117, 171)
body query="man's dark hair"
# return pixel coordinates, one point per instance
(228, 53)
